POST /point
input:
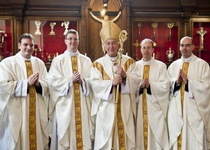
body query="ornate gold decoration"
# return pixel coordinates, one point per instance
(78, 118)
(101, 70)
(154, 26)
(139, 26)
(122, 38)
(52, 24)
(121, 132)
(170, 54)
(32, 109)
(170, 25)
(201, 32)
(66, 26)
(144, 109)
(49, 58)
(38, 25)
(136, 44)
(182, 90)
(127, 64)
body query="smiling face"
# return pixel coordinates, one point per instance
(26, 47)
(186, 47)
(72, 42)
(111, 46)
(147, 49)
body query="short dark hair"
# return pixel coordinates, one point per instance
(73, 32)
(26, 36)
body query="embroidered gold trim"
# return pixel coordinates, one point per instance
(121, 132)
(182, 90)
(144, 109)
(78, 119)
(101, 69)
(32, 109)
(127, 64)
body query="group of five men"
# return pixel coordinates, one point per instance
(112, 103)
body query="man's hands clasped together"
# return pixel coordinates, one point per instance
(33, 79)
(145, 83)
(76, 77)
(182, 77)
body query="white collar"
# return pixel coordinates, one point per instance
(187, 59)
(72, 54)
(146, 62)
(113, 59)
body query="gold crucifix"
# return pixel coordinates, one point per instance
(201, 32)
(137, 52)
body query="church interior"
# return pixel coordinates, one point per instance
(163, 21)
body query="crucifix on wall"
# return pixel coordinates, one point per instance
(201, 32)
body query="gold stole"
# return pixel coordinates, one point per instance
(78, 119)
(144, 109)
(182, 90)
(121, 133)
(32, 109)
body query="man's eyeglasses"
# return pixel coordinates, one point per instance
(185, 45)
(72, 39)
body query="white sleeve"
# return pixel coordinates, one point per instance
(67, 89)
(107, 95)
(21, 88)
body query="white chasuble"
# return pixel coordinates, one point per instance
(15, 107)
(103, 108)
(191, 120)
(63, 100)
(156, 104)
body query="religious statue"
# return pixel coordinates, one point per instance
(170, 54)
(38, 24)
(52, 24)
(66, 26)
(105, 22)
(201, 32)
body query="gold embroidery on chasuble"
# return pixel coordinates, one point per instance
(78, 119)
(127, 64)
(120, 125)
(32, 109)
(144, 109)
(182, 90)
(121, 132)
(100, 68)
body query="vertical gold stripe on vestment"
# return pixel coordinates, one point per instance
(121, 132)
(144, 109)
(32, 109)
(182, 90)
(78, 119)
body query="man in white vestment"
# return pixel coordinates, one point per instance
(23, 100)
(114, 121)
(152, 101)
(70, 97)
(189, 108)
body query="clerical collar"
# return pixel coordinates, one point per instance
(113, 59)
(19, 53)
(72, 54)
(187, 59)
(146, 62)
